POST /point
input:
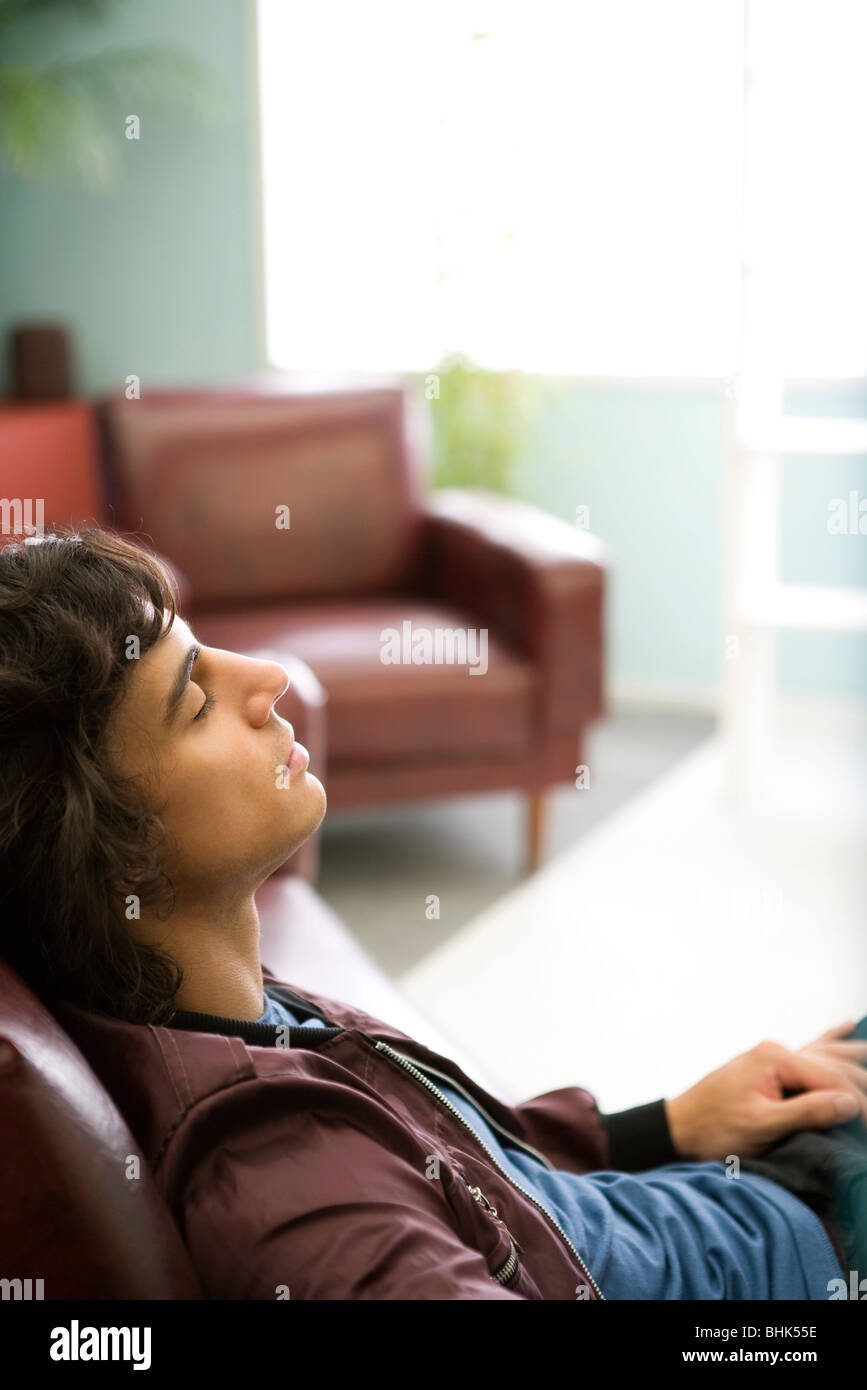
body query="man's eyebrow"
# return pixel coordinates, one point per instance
(181, 681)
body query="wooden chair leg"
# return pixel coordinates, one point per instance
(536, 805)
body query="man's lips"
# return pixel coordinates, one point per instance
(297, 758)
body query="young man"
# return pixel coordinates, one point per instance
(306, 1148)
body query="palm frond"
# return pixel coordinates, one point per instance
(156, 72)
(65, 118)
(16, 11)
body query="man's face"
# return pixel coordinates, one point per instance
(217, 776)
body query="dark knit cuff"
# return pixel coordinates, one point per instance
(640, 1138)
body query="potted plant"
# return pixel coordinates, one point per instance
(61, 117)
(478, 421)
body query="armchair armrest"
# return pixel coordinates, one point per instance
(535, 580)
(303, 704)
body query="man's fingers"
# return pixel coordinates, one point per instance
(855, 1075)
(798, 1071)
(850, 1051)
(840, 1030)
(813, 1110)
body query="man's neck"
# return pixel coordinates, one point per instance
(218, 951)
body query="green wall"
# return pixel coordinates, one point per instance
(156, 275)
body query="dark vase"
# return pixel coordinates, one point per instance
(40, 363)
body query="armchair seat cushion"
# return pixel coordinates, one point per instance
(393, 711)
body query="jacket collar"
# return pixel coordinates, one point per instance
(262, 1034)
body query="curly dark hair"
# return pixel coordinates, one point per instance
(76, 838)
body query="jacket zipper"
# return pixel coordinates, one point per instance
(495, 1124)
(420, 1076)
(506, 1270)
(509, 1269)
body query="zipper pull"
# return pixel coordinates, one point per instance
(482, 1199)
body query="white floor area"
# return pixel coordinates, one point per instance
(679, 933)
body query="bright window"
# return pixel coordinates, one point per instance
(553, 185)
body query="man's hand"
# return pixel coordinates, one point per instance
(739, 1108)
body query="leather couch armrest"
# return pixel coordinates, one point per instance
(536, 581)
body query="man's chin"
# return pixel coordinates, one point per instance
(318, 792)
(309, 807)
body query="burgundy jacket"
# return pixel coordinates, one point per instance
(324, 1165)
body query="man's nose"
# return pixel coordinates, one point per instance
(282, 678)
(271, 681)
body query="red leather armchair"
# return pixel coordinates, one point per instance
(304, 526)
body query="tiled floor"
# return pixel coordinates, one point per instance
(378, 869)
(680, 932)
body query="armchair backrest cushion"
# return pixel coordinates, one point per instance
(272, 497)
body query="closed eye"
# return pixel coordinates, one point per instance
(208, 705)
